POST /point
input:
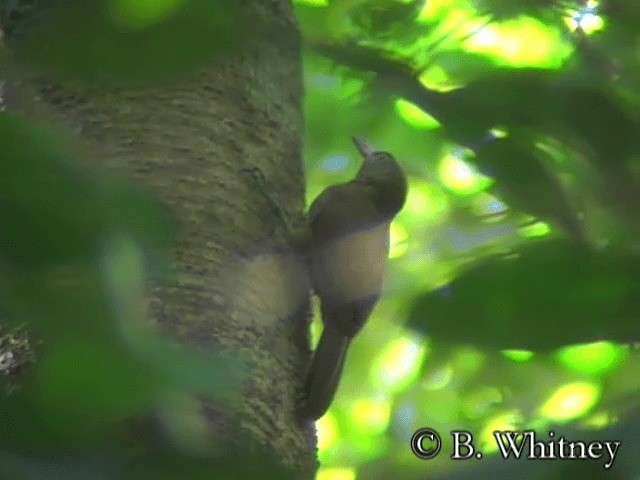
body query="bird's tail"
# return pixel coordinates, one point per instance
(324, 373)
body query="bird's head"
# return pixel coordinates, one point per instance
(383, 173)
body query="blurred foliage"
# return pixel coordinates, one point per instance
(42, 220)
(128, 42)
(504, 293)
(75, 255)
(512, 297)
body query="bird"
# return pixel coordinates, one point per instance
(349, 227)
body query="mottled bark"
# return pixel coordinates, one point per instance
(235, 283)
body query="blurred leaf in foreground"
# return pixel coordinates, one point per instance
(123, 42)
(52, 212)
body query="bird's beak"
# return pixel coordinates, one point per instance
(365, 150)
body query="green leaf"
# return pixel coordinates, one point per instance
(67, 466)
(543, 296)
(84, 386)
(463, 66)
(49, 210)
(96, 364)
(190, 369)
(163, 465)
(602, 123)
(125, 42)
(52, 212)
(528, 184)
(548, 102)
(512, 9)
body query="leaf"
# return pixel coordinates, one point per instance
(52, 212)
(190, 369)
(49, 210)
(57, 226)
(463, 66)
(382, 18)
(588, 116)
(468, 113)
(602, 122)
(94, 370)
(543, 296)
(141, 216)
(528, 184)
(124, 42)
(67, 466)
(502, 9)
(84, 386)
(77, 389)
(163, 465)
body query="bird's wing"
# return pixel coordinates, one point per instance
(341, 209)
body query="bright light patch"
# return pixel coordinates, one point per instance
(510, 420)
(458, 21)
(423, 200)
(336, 474)
(538, 229)
(521, 42)
(486, 37)
(316, 324)
(370, 417)
(440, 378)
(328, 431)
(460, 177)
(414, 115)
(432, 8)
(495, 206)
(498, 132)
(571, 401)
(369, 447)
(599, 420)
(336, 163)
(436, 78)
(585, 19)
(315, 3)
(517, 355)
(590, 23)
(138, 14)
(399, 364)
(593, 358)
(398, 239)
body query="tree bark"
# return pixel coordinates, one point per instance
(235, 283)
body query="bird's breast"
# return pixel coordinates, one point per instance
(352, 266)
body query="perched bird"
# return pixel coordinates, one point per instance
(349, 229)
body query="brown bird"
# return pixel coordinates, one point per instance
(349, 226)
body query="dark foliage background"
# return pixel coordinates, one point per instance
(513, 295)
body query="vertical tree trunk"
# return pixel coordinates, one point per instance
(235, 283)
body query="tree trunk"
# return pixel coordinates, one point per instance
(235, 282)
